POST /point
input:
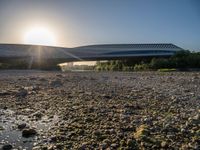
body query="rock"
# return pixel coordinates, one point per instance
(7, 147)
(59, 75)
(104, 145)
(5, 107)
(195, 119)
(37, 115)
(97, 133)
(107, 141)
(1, 128)
(4, 93)
(42, 79)
(35, 88)
(56, 83)
(28, 133)
(22, 93)
(122, 143)
(141, 131)
(32, 78)
(87, 119)
(37, 148)
(163, 144)
(128, 129)
(114, 145)
(83, 146)
(21, 126)
(131, 143)
(57, 138)
(106, 96)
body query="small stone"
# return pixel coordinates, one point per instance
(42, 79)
(28, 133)
(5, 107)
(21, 126)
(97, 133)
(114, 145)
(122, 143)
(3, 93)
(22, 93)
(37, 115)
(141, 131)
(106, 96)
(131, 143)
(1, 128)
(107, 141)
(56, 83)
(83, 145)
(104, 145)
(163, 144)
(7, 147)
(35, 88)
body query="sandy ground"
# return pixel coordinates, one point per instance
(99, 110)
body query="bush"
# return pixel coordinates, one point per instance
(127, 68)
(140, 67)
(181, 60)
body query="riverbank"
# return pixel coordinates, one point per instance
(88, 110)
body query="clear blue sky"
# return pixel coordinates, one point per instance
(82, 22)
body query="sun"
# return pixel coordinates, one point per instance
(39, 36)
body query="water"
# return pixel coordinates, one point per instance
(10, 134)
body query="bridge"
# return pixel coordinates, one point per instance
(44, 54)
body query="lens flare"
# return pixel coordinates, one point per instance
(39, 36)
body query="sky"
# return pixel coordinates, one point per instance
(72, 23)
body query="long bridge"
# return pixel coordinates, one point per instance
(39, 54)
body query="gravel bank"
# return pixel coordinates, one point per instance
(91, 110)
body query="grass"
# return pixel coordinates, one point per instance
(167, 70)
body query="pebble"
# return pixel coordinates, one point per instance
(7, 147)
(28, 133)
(21, 126)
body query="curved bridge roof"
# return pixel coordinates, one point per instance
(90, 52)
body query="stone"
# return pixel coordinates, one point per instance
(1, 128)
(83, 146)
(56, 83)
(141, 131)
(5, 107)
(4, 93)
(114, 145)
(28, 133)
(106, 96)
(131, 143)
(37, 115)
(21, 126)
(7, 147)
(107, 141)
(122, 143)
(22, 93)
(163, 144)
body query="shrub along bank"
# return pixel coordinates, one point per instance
(182, 60)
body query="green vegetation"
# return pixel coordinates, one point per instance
(166, 70)
(182, 60)
(76, 67)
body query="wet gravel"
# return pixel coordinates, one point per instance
(99, 110)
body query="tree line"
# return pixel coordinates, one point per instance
(182, 60)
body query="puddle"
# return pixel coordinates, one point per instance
(10, 134)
